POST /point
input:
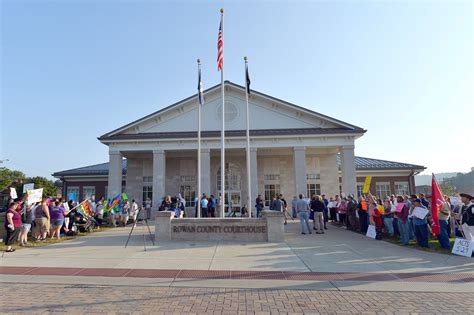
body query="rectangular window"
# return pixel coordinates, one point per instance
(73, 193)
(313, 176)
(88, 192)
(313, 189)
(401, 188)
(147, 192)
(360, 188)
(190, 178)
(271, 177)
(383, 190)
(271, 190)
(189, 194)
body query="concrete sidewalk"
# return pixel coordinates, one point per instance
(347, 262)
(336, 251)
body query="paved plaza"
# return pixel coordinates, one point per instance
(135, 299)
(340, 272)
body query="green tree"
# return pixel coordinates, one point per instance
(448, 189)
(9, 178)
(49, 189)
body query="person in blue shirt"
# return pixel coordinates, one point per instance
(421, 226)
(204, 203)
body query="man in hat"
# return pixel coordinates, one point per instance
(467, 209)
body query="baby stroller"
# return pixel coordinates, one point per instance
(84, 223)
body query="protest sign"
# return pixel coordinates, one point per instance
(420, 212)
(13, 194)
(399, 207)
(366, 187)
(468, 231)
(463, 247)
(66, 206)
(455, 200)
(371, 232)
(34, 195)
(27, 187)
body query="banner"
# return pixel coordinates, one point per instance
(366, 187)
(13, 194)
(34, 195)
(27, 187)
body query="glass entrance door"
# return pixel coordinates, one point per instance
(235, 203)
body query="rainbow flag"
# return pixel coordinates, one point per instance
(113, 202)
(86, 208)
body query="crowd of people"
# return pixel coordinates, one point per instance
(52, 218)
(391, 216)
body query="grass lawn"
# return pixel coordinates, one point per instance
(33, 243)
(433, 244)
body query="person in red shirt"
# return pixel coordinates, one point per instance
(376, 220)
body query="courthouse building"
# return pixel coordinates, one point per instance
(292, 150)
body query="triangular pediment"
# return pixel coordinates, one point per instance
(266, 113)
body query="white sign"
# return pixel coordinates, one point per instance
(66, 206)
(420, 212)
(468, 232)
(371, 232)
(34, 195)
(455, 200)
(28, 187)
(13, 194)
(463, 247)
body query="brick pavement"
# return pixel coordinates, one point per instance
(46, 298)
(232, 275)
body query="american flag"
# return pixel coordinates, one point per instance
(200, 90)
(220, 49)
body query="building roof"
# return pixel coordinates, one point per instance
(362, 163)
(232, 133)
(112, 133)
(96, 169)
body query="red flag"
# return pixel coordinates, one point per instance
(437, 203)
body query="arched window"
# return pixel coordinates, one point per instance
(233, 177)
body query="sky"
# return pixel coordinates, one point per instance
(72, 71)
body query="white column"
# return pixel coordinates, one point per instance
(299, 154)
(206, 171)
(159, 172)
(253, 180)
(348, 170)
(115, 174)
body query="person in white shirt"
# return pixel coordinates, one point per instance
(134, 211)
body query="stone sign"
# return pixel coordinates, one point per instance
(269, 228)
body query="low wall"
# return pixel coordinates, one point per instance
(269, 228)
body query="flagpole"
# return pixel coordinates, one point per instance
(223, 126)
(199, 145)
(249, 186)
